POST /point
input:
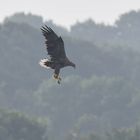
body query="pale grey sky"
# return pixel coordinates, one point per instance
(67, 12)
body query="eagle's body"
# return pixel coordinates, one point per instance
(56, 51)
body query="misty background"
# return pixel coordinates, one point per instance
(98, 101)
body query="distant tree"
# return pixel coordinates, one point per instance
(136, 135)
(129, 20)
(33, 20)
(16, 126)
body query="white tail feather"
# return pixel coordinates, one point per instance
(42, 63)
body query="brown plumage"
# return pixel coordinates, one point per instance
(56, 51)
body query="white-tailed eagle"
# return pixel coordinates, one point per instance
(56, 51)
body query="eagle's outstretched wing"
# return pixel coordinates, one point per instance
(54, 44)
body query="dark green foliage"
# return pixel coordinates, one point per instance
(16, 126)
(125, 32)
(102, 93)
(33, 20)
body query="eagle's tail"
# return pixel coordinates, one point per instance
(43, 63)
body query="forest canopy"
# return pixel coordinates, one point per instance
(99, 100)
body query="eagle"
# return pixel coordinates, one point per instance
(57, 56)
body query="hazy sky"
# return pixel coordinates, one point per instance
(67, 12)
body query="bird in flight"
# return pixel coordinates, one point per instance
(56, 52)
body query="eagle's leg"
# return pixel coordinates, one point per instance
(58, 81)
(56, 74)
(57, 77)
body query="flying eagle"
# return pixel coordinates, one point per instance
(56, 51)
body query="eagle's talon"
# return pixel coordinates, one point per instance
(58, 81)
(59, 78)
(55, 76)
